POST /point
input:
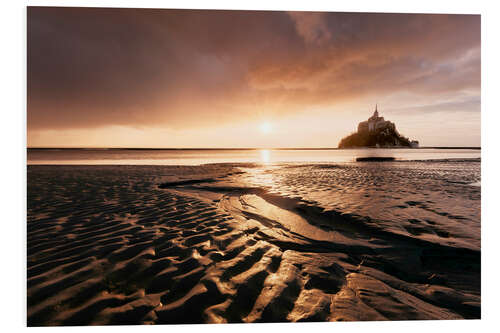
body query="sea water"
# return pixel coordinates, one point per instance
(204, 156)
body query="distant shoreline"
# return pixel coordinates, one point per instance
(213, 149)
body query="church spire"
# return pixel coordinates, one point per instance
(375, 114)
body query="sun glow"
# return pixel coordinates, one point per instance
(266, 127)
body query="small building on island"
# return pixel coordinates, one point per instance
(376, 132)
(374, 122)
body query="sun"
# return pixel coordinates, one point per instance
(266, 127)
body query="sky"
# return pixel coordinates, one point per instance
(102, 77)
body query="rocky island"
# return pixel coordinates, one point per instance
(376, 132)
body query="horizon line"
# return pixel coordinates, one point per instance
(251, 148)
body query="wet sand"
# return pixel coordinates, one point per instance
(215, 244)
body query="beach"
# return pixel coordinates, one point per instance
(250, 242)
(252, 165)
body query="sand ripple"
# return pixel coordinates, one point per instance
(108, 245)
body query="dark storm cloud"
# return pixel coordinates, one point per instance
(174, 68)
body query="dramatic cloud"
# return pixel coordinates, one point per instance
(311, 26)
(181, 70)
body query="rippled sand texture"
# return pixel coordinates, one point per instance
(437, 201)
(212, 244)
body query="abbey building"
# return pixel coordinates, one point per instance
(375, 122)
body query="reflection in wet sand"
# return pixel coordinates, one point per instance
(253, 243)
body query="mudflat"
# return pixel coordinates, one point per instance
(248, 243)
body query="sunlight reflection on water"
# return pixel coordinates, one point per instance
(265, 156)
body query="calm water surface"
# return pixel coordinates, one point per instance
(203, 156)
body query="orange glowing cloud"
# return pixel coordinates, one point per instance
(184, 71)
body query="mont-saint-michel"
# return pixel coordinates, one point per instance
(376, 132)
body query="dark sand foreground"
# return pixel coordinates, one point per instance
(165, 245)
